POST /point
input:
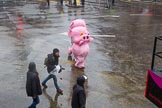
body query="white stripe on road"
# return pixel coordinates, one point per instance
(112, 16)
(140, 15)
(109, 36)
(64, 33)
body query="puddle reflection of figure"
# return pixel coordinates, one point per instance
(20, 30)
(53, 102)
(60, 9)
(19, 27)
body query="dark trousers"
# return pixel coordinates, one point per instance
(75, 2)
(35, 102)
(48, 2)
(82, 1)
(61, 2)
(113, 2)
(54, 80)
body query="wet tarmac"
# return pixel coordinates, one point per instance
(116, 66)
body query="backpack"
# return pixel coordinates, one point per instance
(49, 56)
(46, 61)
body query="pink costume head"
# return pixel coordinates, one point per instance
(80, 35)
(76, 23)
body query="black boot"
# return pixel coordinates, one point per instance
(70, 57)
(60, 91)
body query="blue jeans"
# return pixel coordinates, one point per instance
(35, 102)
(54, 80)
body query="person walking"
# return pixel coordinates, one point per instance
(79, 96)
(33, 87)
(53, 69)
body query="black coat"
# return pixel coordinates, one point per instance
(33, 87)
(52, 62)
(79, 96)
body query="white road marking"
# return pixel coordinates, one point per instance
(140, 15)
(64, 33)
(108, 36)
(104, 16)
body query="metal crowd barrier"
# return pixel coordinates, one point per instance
(100, 3)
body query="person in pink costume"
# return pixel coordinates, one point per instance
(80, 46)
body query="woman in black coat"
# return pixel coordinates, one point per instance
(33, 87)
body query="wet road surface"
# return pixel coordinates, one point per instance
(116, 66)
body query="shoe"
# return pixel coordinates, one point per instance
(45, 86)
(60, 91)
(70, 57)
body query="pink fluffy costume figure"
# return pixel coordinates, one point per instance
(80, 45)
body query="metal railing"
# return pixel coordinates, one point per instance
(100, 3)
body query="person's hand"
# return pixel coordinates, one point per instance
(34, 97)
(61, 68)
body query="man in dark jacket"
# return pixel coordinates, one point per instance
(33, 87)
(52, 64)
(79, 96)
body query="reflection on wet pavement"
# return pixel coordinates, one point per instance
(53, 101)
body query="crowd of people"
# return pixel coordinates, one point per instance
(34, 86)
